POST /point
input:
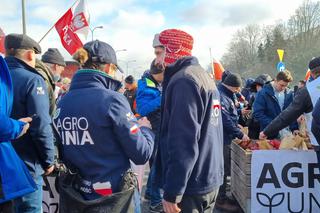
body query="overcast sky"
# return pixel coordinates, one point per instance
(131, 24)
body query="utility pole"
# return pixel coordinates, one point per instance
(24, 29)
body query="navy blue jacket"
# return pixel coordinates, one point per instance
(98, 130)
(316, 121)
(266, 107)
(36, 147)
(190, 159)
(149, 100)
(229, 115)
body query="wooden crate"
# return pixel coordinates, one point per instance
(241, 176)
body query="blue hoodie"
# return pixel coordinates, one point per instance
(15, 180)
(190, 158)
(98, 131)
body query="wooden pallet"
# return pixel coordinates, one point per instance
(241, 176)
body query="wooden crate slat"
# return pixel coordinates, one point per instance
(238, 159)
(241, 176)
(245, 178)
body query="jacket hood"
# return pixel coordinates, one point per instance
(178, 65)
(146, 74)
(87, 78)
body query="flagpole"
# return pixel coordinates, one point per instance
(54, 25)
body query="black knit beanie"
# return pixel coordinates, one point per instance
(53, 56)
(233, 80)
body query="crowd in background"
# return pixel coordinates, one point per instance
(101, 122)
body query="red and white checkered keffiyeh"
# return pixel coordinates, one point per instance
(178, 44)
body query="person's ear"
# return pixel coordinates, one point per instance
(30, 55)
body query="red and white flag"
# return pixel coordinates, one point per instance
(217, 69)
(2, 37)
(73, 27)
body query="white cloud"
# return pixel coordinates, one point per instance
(8, 9)
(131, 24)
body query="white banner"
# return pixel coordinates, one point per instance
(50, 201)
(285, 181)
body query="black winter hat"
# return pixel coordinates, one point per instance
(233, 80)
(20, 41)
(53, 56)
(129, 79)
(314, 63)
(225, 74)
(262, 79)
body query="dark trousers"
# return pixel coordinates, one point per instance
(198, 203)
(227, 172)
(6, 207)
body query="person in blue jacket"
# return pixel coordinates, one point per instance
(190, 158)
(15, 180)
(315, 128)
(148, 104)
(35, 148)
(272, 100)
(98, 131)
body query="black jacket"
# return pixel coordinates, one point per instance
(301, 104)
(131, 97)
(190, 157)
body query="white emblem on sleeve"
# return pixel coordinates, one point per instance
(40, 91)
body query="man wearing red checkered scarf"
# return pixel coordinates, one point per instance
(190, 161)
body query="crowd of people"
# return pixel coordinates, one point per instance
(90, 130)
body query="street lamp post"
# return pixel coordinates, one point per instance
(92, 30)
(128, 62)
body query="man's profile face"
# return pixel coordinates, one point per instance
(280, 85)
(158, 51)
(59, 69)
(300, 85)
(128, 86)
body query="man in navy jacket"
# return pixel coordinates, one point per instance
(228, 88)
(271, 100)
(36, 148)
(190, 158)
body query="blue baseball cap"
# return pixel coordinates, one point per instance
(101, 52)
